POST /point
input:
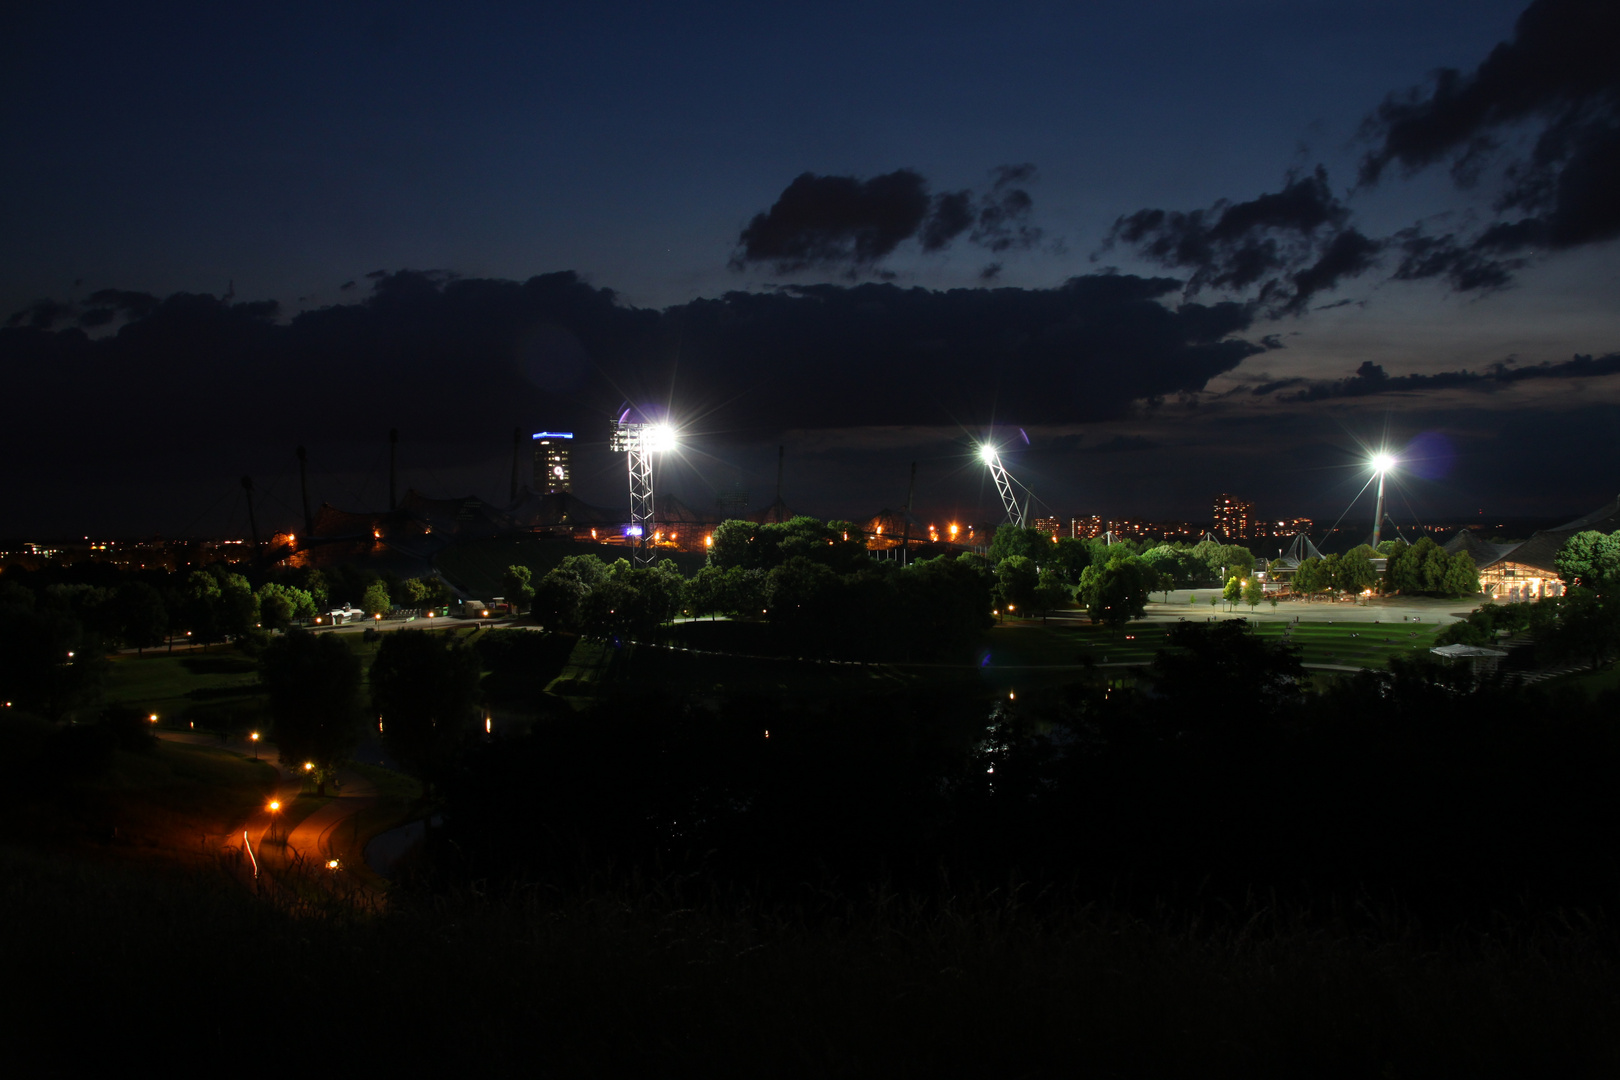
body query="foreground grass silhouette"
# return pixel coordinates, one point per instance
(113, 965)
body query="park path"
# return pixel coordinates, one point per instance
(313, 842)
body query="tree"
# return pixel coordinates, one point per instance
(1232, 591)
(1016, 581)
(1462, 576)
(376, 600)
(1050, 592)
(705, 592)
(1011, 540)
(200, 606)
(142, 617)
(1247, 678)
(1308, 577)
(238, 606)
(1355, 571)
(425, 592)
(1117, 592)
(1253, 592)
(281, 605)
(1591, 560)
(1177, 566)
(1070, 557)
(1328, 575)
(424, 688)
(313, 685)
(518, 581)
(49, 664)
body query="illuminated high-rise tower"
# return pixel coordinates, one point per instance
(551, 470)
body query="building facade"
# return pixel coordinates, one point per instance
(1233, 517)
(552, 471)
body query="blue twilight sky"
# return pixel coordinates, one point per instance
(286, 151)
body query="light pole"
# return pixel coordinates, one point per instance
(1382, 462)
(254, 738)
(1009, 502)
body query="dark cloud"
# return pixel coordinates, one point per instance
(41, 315)
(846, 223)
(1349, 254)
(1282, 246)
(990, 271)
(836, 220)
(1463, 264)
(1541, 114)
(455, 363)
(952, 216)
(134, 305)
(1371, 378)
(1544, 110)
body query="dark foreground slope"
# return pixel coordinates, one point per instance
(112, 967)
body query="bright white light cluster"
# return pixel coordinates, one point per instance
(659, 438)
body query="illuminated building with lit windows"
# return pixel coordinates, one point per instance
(1050, 525)
(1087, 528)
(551, 468)
(1232, 516)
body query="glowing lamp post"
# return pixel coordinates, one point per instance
(1382, 463)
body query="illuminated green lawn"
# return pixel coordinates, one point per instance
(1349, 644)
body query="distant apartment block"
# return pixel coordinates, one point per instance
(1233, 517)
(552, 471)
(1087, 528)
(1050, 525)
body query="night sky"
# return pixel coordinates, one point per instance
(1155, 252)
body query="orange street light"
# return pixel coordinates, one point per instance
(309, 766)
(152, 717)
(332, 864)
(253, 738)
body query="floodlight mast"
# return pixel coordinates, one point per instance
(1383, 463)
(998, 473)
(637, 442)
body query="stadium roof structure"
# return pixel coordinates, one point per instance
(559, 509)
(1300, 550)
(668, 510)
(1541, 550)
(893, 523)
(774, 514)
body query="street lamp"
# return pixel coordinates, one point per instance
(253, 738)
(275, 807)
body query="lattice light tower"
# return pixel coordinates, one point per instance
(639, 442)
(998, 473)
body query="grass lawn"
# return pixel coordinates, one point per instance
(1365, 645)
(1592, 683)
(210, 688)
(164, 804)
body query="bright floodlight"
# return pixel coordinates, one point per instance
(659, 438)
(987, 452)
(1383, 462)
